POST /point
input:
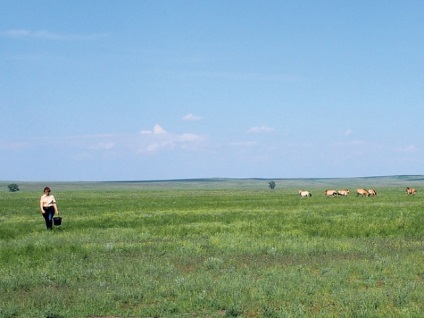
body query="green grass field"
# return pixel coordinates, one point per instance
(214, 248)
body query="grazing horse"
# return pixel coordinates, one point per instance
(305, 194)
(343, 192)
(411, 191)
(372, 192)
(328, 193)
(362, 192)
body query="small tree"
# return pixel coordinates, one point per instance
(271, 185)
(13, 187)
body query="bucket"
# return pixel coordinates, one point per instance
(57, 220)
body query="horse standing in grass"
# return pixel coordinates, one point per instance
(372, 192)
(343, 192)
(305, 194)
(362, 192)
(328, 193)
(411, 191)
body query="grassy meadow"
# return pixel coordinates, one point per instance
(214, 248)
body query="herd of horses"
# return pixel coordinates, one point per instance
(345, 192)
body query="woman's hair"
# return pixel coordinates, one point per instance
(46, 189)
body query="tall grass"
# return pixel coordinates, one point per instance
(215, 250)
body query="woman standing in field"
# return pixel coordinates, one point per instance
(48, 207)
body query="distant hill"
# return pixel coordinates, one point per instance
(220, 183)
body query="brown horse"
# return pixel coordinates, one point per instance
(328, 193)
(411, 191)
(362, 192)
(372, 192)
(343, 192)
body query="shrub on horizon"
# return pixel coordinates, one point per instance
(13, 187)
(271, 185)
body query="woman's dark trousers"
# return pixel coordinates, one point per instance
(48, 216)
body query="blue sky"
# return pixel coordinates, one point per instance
(149, 90)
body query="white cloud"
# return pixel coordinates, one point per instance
(410, 148)
(159, 139)
(190, 138)
(157, 130)
(85, 146)
(257, 77)
(191, 117)
(12, 145)
(244, 144)
(88, 147)
(103, 146)
(151, 148)
(46, 35)
(260, 130)
(354, 143)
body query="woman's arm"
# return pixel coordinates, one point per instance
(41, 207)
(56, 211)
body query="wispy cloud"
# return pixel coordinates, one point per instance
(157, 130)
(260, 130)
(191, 117)
(108, 145)
(12, 145)
(410, 148)
(353, 143)
(146, 142)
(249, 77)
(158, 139)
(46, 35)
(19, 34)
(190, 138)
(244, 144)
